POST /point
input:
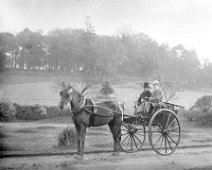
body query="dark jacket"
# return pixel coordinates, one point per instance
(143, 94)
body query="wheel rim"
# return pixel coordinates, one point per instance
(133, 137)
(164, 132)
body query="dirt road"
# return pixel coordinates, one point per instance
(182, 159)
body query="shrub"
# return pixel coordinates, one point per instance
(204, 120)
(201, 112)
(106, 89)
(7, 111)
(67, 138)
(52, 111)
(203, 104)
(191, 116)
(29, 112)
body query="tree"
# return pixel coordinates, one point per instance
(31, 45)
(204, 76)
(9, 48)
(2, 60)
(106, 89)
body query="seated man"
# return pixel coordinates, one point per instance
(155, 98)
(140, 108)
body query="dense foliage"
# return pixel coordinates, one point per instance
(10, 111)
(7, 111)
(201, 112)
(74, 50)
(106, 89)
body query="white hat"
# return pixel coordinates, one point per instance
(155, 82)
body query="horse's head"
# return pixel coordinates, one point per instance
(66, 96)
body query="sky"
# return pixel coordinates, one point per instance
(187, 22)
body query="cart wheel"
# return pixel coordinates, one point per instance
(164, 132)
(132, 137)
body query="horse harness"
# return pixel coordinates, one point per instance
(84, 106)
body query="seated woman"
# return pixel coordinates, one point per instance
(157, 95)
(140, 105)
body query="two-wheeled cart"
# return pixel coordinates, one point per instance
(162, 127)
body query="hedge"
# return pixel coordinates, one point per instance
(7, 111)
(10, 111)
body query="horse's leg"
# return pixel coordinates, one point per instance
(82, 137)
(81, 131)
(77, 127)
(115, 127)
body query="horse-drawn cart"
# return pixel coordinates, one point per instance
(162, 127)
(162, 124)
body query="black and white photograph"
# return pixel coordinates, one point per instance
(105, 85)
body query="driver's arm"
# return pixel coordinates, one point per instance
(139, 99)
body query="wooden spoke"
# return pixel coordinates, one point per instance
(135, 142)
(165, 145)
(171, 122)
(175, 134)
(161, 142)
(167, 122)
(125, 139)
(158, 140)
(131, 143)
(128, 143)
(124, 134)
(169, 143)
(172, 139)
(126, 126)
(137, 138)
(173, 128)
(160, 124)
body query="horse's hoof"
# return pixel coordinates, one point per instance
(115, 154)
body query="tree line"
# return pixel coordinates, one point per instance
(73, 50)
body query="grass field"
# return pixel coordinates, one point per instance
(41, 137)
(47, 93)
